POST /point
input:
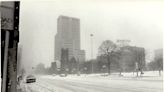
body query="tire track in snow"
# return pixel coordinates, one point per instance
(36, 87)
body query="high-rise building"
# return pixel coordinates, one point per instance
(68, 36)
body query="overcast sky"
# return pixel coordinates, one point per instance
(139, 21)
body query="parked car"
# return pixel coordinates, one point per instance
(30, 79)
(62, 75)
(54, 74)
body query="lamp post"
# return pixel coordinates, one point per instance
(91, 35)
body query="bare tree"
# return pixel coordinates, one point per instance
(137, 54)
(107, 48)
(159, 60)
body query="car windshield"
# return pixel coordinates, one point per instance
(30, 76)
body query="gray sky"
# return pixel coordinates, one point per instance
(139, 21)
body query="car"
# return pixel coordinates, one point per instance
(54, 74)
(62, 75)
(30, 79)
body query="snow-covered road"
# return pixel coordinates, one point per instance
(93, 84)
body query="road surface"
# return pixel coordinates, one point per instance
(92, 84)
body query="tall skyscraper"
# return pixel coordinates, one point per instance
(68, 36)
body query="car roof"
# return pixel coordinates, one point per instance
(30, 76)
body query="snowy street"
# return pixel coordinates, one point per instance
(95, 84)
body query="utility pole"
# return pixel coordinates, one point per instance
(10, 40)
(5, 62)
(91, 35)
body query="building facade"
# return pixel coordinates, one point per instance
(68, 37)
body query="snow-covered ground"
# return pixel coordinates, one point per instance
(149, 82)
(148, 75)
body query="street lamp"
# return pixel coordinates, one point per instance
(91, 35)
